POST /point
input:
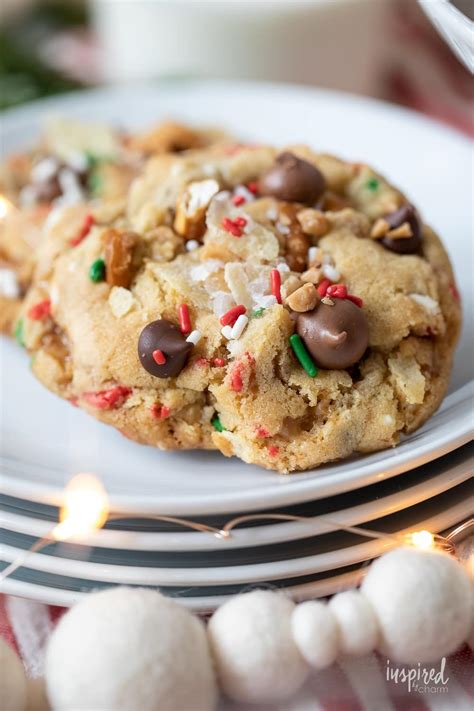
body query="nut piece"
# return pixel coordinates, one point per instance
(190, 220)
(313, 222)
(297, 242)
(379, 229)
(303, 299)
(403, 232)
(313, 275)
(167, 137)
(289, 286)
(119, 248)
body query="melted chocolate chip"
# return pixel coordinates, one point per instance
(164, 336)
(292, 179)
(404, 245)
(336, 336)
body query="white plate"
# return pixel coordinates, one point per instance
(436, 516)
(362, 506)
(45, 441)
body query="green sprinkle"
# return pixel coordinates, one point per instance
(95, 183)
(258, 313)
(18, 332)
(217, 424)
(372, 184)
(303, 356)
(97, 271)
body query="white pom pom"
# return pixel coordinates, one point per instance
(357, 623)
(315, 633)
(127, 648)
(12, 680)
(422, 602)
(254, 652)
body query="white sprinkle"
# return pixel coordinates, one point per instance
(313, 253)
(265, 301)
(227, 332)
(191, 245)
(426, 301)
(331, 272)
(202, 271)
(272, 214)
(235, 348)
(282, 229)
(242, 191)
(9, 286)
(71, 189)
(239, 326)
(283, 267)
(28, 197)
(388, 420)
(44, 170)
(78, 161)
(54, 295)
(53, 218)
(194, 337)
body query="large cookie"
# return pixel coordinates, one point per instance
(287, 308)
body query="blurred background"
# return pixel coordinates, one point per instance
(383, 48)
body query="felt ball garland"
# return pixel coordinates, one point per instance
(128, 648)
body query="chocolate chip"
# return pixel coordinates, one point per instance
(336, 336)
(293, 180)
(403, 245)
(164, 336)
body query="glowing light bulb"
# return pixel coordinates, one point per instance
(85, 508)
(421, 539)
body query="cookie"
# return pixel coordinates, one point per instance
(73, 163)
(249, 300)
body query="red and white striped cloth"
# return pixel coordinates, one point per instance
(351, 685)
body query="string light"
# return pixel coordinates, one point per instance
(85, 509)
(5, 207)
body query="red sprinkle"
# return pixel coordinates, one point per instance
(184, 319)
(261, 431)
(273, 450)
(323, 287)
(231, 316)
(355, 300)
(234, 227)
(201, 362)
(454, 292)
(159, 357)
(236, 382)
(252, 187)
(275, 283)
(40, 311)
(218, 362)
(238, 200)
(338, 291)
(107, 399)
(89, 220)
(159, 412)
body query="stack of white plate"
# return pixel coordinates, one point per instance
(423, 483)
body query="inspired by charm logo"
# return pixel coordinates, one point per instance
(421, 679)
